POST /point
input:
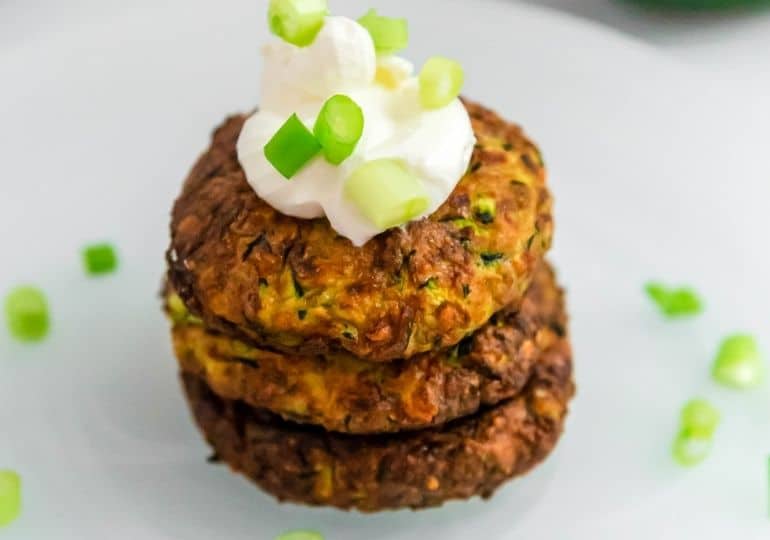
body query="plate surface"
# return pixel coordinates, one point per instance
(658, 173)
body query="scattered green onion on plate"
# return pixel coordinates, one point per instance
(673, 303)
(699, 418)
(99, 259)
(441, 81)
(387, 192)
(292, 147)
(300, 535)
(26, 310)
(739, 363)
(297, 21)
(389, 34)
(338, 128)
(689, 450)
(698, 422)
(10, 497)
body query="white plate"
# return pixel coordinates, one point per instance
(658, 173)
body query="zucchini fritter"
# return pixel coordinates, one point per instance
(346, 394)
(468, 457)
(296, 286)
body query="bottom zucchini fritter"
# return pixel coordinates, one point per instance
(458, 460)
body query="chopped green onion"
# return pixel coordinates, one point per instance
(10, 497)
(657, 292)
(297, 21)
(292, 147)
(339, 127)
(389, 34)
(441, 80)
(300, 535)
(739, 363)
(27, 312)
(679, 302)
(689, 450)
(99, 259)
(699, 418)
(387, 193)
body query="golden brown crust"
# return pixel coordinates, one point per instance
(468, 457)
(346, 394)
(296, 286)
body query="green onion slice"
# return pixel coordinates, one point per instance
(689, 450)
(297, 21)
(339, 127)
(300, 535)
(674, 303)
(292, 147)
(26, 309)
(387, 192)
(99, 259)
(699, 418)
(441, 80)
(739, 363)
(389, 34)
(10, 497)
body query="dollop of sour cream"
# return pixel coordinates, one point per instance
(435, 144)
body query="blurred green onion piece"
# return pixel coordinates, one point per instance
(297, 21)
(673, 303)
(26, 309)
(338, 128)
(292, 147)
(300, 535)
(10, 497)
(441, 81)
(699, 418)
(698, 422)
(739, 363)
(389, 34)
(387, 193)
(690, 450)
(99, 259)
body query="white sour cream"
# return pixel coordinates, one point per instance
(435, 144)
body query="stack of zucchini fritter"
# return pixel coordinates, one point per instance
(430, 364)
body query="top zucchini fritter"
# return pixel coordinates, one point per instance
(297, 286)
